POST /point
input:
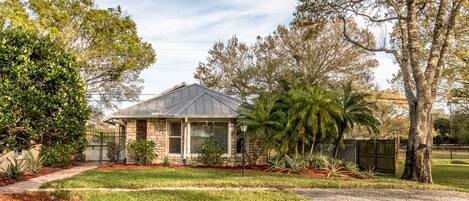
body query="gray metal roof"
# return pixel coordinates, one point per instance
(193, 101)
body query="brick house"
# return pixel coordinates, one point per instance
(180, 119)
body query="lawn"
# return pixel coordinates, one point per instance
(449, 174)
(189, 195)
(181, 177)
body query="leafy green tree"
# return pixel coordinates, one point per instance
(285, 55)
(420, 43)
(42, 97)
(109, 53)
(313, 114)
(260, 119)
(356, 110)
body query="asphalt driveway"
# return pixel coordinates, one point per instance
(381, 195)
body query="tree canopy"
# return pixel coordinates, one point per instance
(42, 97)
(420, 42)
(105, 43)
(286, 57)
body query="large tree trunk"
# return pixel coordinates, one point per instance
(419, 144)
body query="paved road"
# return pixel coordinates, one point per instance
(381, 195)
(34, 183)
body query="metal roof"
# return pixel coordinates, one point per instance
(192, 101)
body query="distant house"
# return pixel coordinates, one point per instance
(180, 119)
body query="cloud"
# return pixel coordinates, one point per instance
(183, 31)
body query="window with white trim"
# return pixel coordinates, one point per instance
(175, 131)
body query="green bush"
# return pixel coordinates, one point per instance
(166, 162)
(350, 167)
(210, 153)
(34, 163)
(113, 151)
(276, 163)
(57, 155)
(14, 169)
(42, 96)
(141, 151)
(370, 172)
(335, 168)
(295, 164)
(317, 161)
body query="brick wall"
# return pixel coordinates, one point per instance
(156, 131)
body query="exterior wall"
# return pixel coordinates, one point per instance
(21, 157)
(157, 131)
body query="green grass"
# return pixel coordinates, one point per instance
(182, 177)
(187, 195)
(446, 173)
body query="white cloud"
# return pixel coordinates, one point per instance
(183, 31)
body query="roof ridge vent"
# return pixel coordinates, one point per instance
(174, 88)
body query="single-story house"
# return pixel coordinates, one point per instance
(180, 119)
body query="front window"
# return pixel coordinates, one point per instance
(141, 129)
(202, 131)
(175, 137)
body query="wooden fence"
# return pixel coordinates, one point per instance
(382, 155)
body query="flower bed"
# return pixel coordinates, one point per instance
(28, 175)
(259, 168)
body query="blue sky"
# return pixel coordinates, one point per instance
(182, 32)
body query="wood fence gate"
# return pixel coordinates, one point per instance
(382, 155)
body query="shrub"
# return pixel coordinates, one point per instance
(370, 172)
(57, 155)
(43, 97)
(350, 167)
(210, 153)
(276, 163)
(113, 151)
(14, 168)
(317, 161)
(141, 151)
(166, 162)
(295, 164)
(34, 163)
(334, 169)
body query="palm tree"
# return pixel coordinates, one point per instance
(259, 118)
(356, 110)
(312, 114)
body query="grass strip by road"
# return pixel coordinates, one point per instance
(183, 195)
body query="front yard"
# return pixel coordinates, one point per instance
(196, 177)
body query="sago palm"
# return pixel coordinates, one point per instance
(259, 117)
(356, 110)
(312, 112)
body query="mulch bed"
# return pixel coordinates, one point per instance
(36, 196)
(259, 168)
(27, 175)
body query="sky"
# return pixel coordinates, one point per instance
(182, 32)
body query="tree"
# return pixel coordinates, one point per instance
(356, 110)
(285, 56)
(228, 69)
(105, 43)
(420, 51)
(391, 112)
(42, 97)
(260, 119)
(312, 115)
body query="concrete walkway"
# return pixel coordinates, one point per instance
(381, 195)
(34, 183)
